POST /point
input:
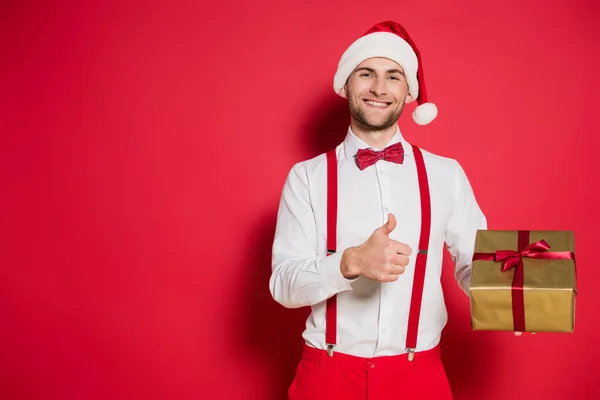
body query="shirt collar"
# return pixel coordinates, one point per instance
(353, 143)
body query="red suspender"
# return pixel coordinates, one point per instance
(421, 262)
(332, 197)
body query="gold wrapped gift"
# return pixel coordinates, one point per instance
(523, 281)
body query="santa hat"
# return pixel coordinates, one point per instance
(389, 40)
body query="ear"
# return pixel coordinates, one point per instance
(343, 92)
(409, 99)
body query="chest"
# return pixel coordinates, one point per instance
(365, 198)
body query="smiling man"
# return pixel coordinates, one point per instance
(376, 93)
(360, 233)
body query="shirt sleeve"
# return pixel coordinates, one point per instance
(301, 277)
(466, 219)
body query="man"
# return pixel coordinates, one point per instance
(360, 235)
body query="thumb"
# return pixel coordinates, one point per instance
(390, 225)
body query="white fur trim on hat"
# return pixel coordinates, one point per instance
(378, 44)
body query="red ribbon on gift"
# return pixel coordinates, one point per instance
(514, 259)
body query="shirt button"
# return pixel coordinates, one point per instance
(383, 330)
(381, 171)
(386, 209)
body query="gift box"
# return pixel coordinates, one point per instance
(523, 281)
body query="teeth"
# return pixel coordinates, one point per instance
(376, 103)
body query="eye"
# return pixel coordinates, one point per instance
(394, 78)
(366, 74)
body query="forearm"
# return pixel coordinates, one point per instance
(299, 283)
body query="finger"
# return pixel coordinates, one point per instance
(387, 277)
(393, 269)
(399, 259)
(390, 225)
(400, 248)
(518, 333)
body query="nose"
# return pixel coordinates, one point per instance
(378, 87)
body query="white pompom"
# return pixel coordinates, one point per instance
(425, 113)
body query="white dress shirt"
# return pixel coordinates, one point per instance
(372, 316)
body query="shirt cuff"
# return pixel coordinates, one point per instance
(331, 275)
(465, 284)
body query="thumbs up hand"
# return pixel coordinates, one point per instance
(379, 258)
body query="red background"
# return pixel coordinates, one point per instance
(143, 152)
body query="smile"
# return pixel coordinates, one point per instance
(378, 104)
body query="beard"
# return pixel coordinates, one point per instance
(358, 113)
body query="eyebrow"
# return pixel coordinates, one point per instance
(390, 71)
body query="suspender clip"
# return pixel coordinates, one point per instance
(330, 349)
(411, 354)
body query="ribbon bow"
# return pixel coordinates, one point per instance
(512, 258)
(367, 157)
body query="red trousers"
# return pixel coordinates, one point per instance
(320, 377)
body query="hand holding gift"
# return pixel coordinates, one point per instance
(521, 333)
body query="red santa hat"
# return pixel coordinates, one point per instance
(389, 40)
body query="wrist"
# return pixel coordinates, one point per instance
(348, 264)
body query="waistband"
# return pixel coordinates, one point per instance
(313, 354)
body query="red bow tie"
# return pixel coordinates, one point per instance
(367, 157)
